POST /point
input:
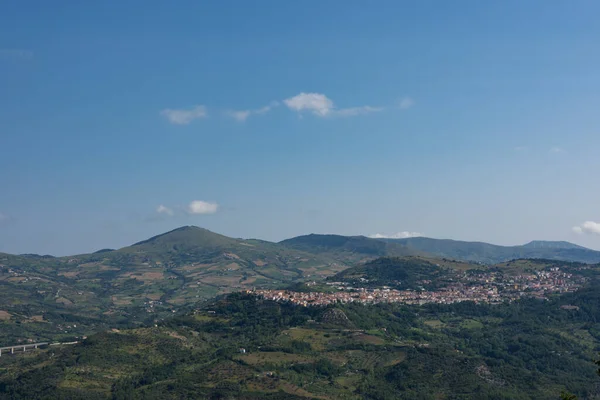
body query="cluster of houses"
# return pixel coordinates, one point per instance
(479, 288)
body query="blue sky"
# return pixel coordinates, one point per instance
(467, 120)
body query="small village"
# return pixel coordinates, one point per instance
(490, 288)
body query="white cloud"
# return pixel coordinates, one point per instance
(202, 207)
(588, 227)
(520, 149)
(184, 117)
(406, 103)
(161, 209)
(239, 115)
(322, 106)
(242, 115)
(349, 112)
(267, 108)
(399, 235)
(317, 103)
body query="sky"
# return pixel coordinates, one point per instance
(468, 120)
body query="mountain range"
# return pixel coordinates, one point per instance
(153, 278)
(478, 252)
(191, 243)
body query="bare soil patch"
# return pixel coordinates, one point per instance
(146, 277)
(370, 339)
(221, 280)
(274, 357)
(233, 266)
(194, 267)
(120, 301)
(70, 274)
(64, 301)
(249, 281)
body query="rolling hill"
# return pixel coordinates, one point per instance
(142, 282)
(45, 297)
(349, 248)
(361, 248)
(491, 254)
(387, 270)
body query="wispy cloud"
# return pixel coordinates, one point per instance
(406, 103)
(3, 217)
(556, 150)
(267, 108)
(352, 111)
(313, 103)
(15, 54)
(161, 209)
(588, 227)
(242, 115)
(195, 207)
(320, 105)
(184, 116)
(399, 235)
(520, 149)
(202, 207)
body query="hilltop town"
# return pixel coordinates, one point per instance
(490, 288)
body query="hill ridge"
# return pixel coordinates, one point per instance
(480, 252)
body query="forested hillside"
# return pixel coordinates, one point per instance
(244, 348)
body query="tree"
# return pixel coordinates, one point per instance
(568, 396)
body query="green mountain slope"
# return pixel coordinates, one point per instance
(361, 248)
(491, 254)
(519, 351)
(409, 272)
(400, 272)
(545, 244)
(43, 297)
(349, 248)
(141, 283)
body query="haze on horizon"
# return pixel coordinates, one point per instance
(469, 121)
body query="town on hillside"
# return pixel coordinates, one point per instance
(490, 288)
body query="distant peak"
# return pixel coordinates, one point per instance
(548, 244)
(30, 255)
(103, 251)
(187, 228)
(191, 235)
